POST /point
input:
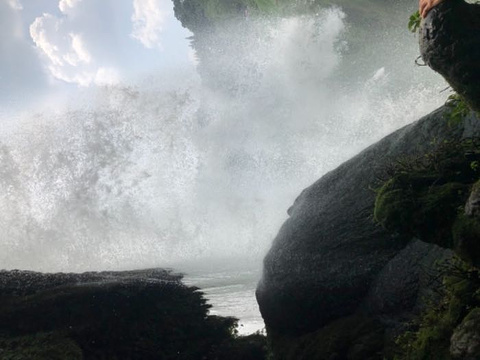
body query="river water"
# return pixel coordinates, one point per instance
(230, 289)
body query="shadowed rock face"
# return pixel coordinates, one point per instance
(450, 45)
(330, 259)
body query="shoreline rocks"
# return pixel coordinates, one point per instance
(144, 314)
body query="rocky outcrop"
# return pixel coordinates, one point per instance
(330, 259)
(466, 230)
(472, 208)
(450, 45)
(465, 342)
(147, 314)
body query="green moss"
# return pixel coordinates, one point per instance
(458, 109)
(434, 328)
(393, 206)
(42, 346)
(423, 195)
(404, 204)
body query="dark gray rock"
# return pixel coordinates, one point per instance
(406, 279)
(330, 259)
(466, 230)
(450, 45)
(465, 341)
(472, 207)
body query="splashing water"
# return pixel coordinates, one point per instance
(141, 176)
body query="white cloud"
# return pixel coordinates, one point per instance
(66, 5)
(41, 31)
(96, 42)
(15, 4)
(79, 53)
(67, 44)
(148, 20)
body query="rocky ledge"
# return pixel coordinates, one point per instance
(148, 314)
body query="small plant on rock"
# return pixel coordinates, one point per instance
(414, 22)
(458, 109)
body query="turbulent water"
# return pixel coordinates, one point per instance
(192, 170)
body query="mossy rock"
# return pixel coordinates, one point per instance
(472, 208)
(436, 327)
(465, 342)
(41, 346)
(405, 205)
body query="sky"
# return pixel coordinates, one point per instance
(50, 47)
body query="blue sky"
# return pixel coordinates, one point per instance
(58, 46)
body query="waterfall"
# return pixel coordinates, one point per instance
(181, 167)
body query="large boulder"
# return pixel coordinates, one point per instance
(331, 260)
(450, 45)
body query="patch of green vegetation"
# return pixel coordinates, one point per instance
(414, 22)
(458, 109)
(41, 346)
(423, 195)
(408, 205)
(198, 15)
(429, 338)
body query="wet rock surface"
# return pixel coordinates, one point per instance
(450, 45)
(331, 260)
(465, 342)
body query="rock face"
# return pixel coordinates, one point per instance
(450, 45)
(331, 260)
(472, 208)
(465, 342)
(145, 314)
(467, 229)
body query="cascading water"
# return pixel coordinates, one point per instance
(196, 172)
